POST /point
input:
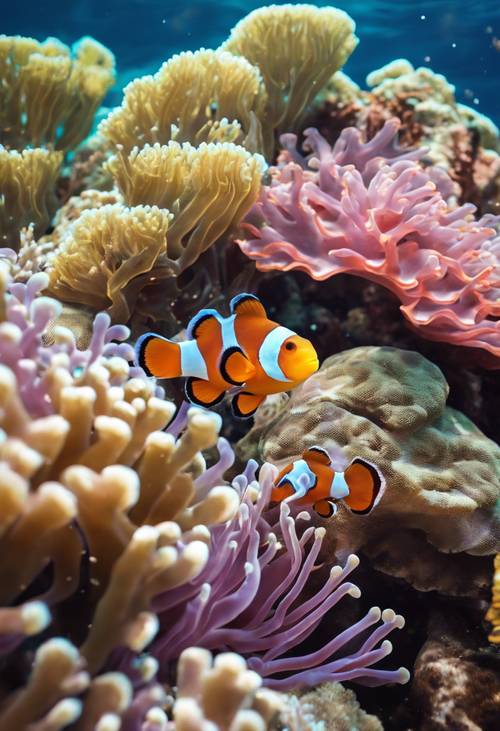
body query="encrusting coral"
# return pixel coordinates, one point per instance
(49, 93)
(27, 192)
(297, 49)
(442, 474)
(206, 96)
(370, 209)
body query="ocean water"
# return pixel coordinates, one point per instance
(458, 38)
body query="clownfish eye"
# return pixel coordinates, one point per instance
(290, 346)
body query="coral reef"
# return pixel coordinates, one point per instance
(493, 615)
(330, 707)
(146, 581)
(112, 253)
(442, 475)
(49, 93)
(297, 48)
(455, 686)
(206, 96)
(370, 209)
(27, 192)
(221, 692)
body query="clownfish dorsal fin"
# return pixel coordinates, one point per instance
(365, 485)
(247, 305)
(317, 454)
(206, 322)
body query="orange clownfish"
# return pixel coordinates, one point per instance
(313, 481)
(245, 350)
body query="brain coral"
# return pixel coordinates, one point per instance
(442, 474)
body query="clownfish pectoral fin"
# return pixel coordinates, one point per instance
(204, 322)
(325, 508)
(245, 404)
(158, 356)
(235, 367)
(203, 393)
(247, 305)
(365, 484)
(317, 454)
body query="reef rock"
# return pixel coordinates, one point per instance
(442, 474)
(455, 686)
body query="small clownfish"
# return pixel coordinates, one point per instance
(245, 349)
(313, 481)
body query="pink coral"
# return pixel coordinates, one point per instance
(371, 209)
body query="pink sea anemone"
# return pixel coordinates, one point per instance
(372, 210)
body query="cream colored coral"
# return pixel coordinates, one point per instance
(27, 192)
(221, 691)
(49, 94)
(208, 189)
(104, 252)
(60, 692)
(329, 707)
(195, 97)
(102, 459)
(297, 49)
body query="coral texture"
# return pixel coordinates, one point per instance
(206, 96)
(27, 192)
(222, 693)
(113, 256)
(297, 49)
(493, 615)
(330, 707)
(371, 210)
(442, 474)
(49, 93)
(207, 188)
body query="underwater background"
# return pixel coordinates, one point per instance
(456, 38)
(249, 366)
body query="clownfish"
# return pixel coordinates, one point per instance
(313, 481)
(245, 350)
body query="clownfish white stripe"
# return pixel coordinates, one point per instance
(339, 488)
(229, 339)
(269, 352)
(192, 362)
(300, 468)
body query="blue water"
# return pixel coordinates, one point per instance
(457, 38)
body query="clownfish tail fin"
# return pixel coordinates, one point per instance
(365, 484)
(158, 356)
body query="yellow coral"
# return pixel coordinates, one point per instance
(104, 251)
(208, 189)
(27, 191)
(493, 615)
(49, 94)
(102, 459)
(297, 49)
(206, 96)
